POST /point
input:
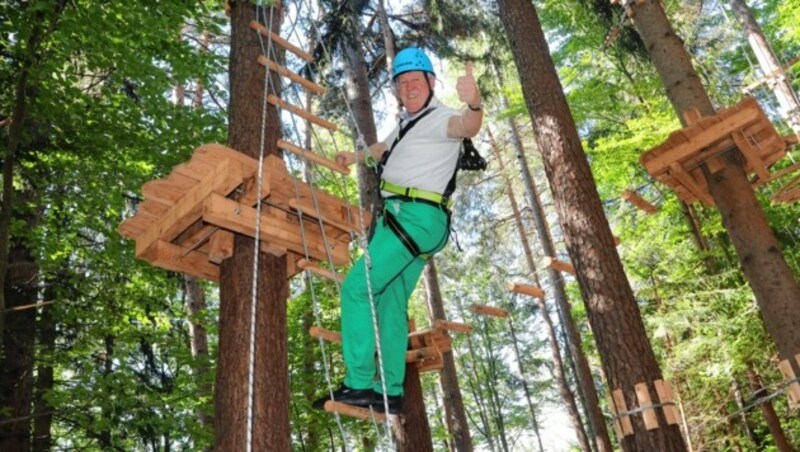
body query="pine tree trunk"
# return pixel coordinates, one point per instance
(45, 354)
(762, 262)
(456, 417)
(768, 410)
(613, 313)
(198, 337)
(416, 433)
(779, 83)
(521, 367)
(270, 397)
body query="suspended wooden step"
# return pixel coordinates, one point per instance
(314, 119)
(312, 157)
(785, 367)
(187, 219)
(280, 41)
(677, 162)
(525, 289)
(314, 268)
(488, 310)
(297, 78)
(453, 326)
(559, 265)
(639, 202)
(353, 411)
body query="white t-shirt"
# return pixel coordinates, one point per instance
(425, 158)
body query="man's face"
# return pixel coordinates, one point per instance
(413, 89)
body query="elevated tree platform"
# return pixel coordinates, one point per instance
(187, 219)
(677, 161)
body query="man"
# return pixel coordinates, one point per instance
(418, 163)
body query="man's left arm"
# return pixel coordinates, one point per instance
(468, 124)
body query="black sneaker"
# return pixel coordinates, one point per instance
(357, 397)
(395, 403)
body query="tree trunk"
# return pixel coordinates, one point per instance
(552, 337)
(45, 354)
(778, 80)
(518, 357)
(416, 433)
(456, 417)
(270, 391)
(198, 337)
(770, 416)
(477, 384)
(613, 313)
(762, 262)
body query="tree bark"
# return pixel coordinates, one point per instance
(759, 252)
(613, 313)
(198, 337)
(270, 397)
(779, 83)
(416, 433)
(455, 416)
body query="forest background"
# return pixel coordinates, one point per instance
(106, 96)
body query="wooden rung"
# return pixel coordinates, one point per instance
(353, 411)
(328, 335)
(297, 78)
(665, 397)
(488, 310)
(639, 202)
(526, 289)
(312, 157)
(5, 122)
(280, 41)
(788, 374)
(29, 306)
(649, 415)
(453, 326)
(556, 264)
(622, 407)
(278, 102)
(304, 264)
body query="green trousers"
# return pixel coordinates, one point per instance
(393, 275)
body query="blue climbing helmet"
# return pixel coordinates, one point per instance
(411, 59)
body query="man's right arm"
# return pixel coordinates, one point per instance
(375, 151)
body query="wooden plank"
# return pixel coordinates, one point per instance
(691, 185)
(174, 258)
(664, 391)
(453, 326)
(638, 202)
(162, 191)
(221, 246)
(314, 119)
(691, 116)
(280, 41)
(526, 289)
(194, 168)
(488, 310)
(304, 264)
(649, 414)
(748, 113)
(778, 174)
(328, 335)
(29, 306)
(615, 420)
(353, 411)
(622, 407)
(226, 177)
(277, 230)
(559, 265)
(750, 154)
(423, 353)
(788, 374)
(312, 157)
(297, 78)
(791, 140)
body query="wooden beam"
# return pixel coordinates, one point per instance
(688, 181)
(750, 154)
(312, 157)
(639, 202)
(275, 228)
(488, 310)
(175, 258)
(525, 289)
(220, 246)
(304, 264)
(453, 326)
(280, 41)
(297, 78)
(556, 264)
(423, 353)
(353, 411)
(328, 335)
(283, 105)
(227, 176)
(309, 211)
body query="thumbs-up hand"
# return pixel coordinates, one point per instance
(467, 88)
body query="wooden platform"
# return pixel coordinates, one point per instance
(187, 220)
(677, 161)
